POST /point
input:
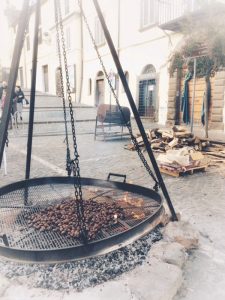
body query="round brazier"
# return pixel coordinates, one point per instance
(20, 200)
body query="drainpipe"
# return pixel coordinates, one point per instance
(178, 97)
(82, 58)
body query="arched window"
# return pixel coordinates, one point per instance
(149, 69)
(147, 105)
(100, 74)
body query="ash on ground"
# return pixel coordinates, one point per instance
(83, 273)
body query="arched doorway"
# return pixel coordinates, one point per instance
(100, 88)
(58, 82)
(147, 106)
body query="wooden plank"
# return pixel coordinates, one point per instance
(176, 173)
(216, 154)
(169, 172)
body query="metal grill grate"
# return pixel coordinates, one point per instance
(14, 215)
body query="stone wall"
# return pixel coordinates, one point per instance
(217, 121)
(216, 118)
(171, 113)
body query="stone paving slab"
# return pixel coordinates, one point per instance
(111, 291)
(199, 198)
(155, 281)
(171, 253)
(19, 292)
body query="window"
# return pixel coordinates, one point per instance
(89, 86)
(40, 17)
(21, 77)
(127, 79)
(148, 12)
(67, 7)
(72, 77)
(99, 34)
(45, 78)
(28, 41)
(27, 38)
(68, 38)
(39, 35)
(149, 69)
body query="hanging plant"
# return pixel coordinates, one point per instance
(205, 40)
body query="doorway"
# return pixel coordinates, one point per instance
(45, 78)
(100, 89)
(147, 106)
(147, 99)
(21, 77)
(58, 88)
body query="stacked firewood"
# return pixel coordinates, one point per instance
(181, 150)
(175, 138)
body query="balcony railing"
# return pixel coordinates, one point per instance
(169, 10)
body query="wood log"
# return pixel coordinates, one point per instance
(216, 154)
(183, 134)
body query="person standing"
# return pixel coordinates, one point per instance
(3, 93)
(2, 88)
(2, 96)
(19, 98)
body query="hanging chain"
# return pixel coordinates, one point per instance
(76, 167)
(68, 159)
(133, 139)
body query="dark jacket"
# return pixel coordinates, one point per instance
(19, 96)
(1, 91)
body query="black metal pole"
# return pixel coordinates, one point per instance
(33, 90)
(13, 75)
(134, 109)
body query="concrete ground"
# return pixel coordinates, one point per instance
(200, 198)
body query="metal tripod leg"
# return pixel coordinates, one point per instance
(134, 109)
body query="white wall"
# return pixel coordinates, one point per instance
(47, 50)
(136, 47)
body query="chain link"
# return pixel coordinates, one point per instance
(75, 161)
(133, 139)
(68, 159)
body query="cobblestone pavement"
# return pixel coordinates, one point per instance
(199, 198)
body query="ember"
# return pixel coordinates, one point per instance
(62, 218)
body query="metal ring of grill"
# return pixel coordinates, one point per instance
(27, 244)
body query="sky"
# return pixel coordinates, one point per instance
(4, 33)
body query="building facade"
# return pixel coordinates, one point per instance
(143, 43)
(143, 48)
(48, 68)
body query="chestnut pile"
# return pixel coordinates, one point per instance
(62, 218)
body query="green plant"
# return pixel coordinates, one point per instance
(204, 39)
